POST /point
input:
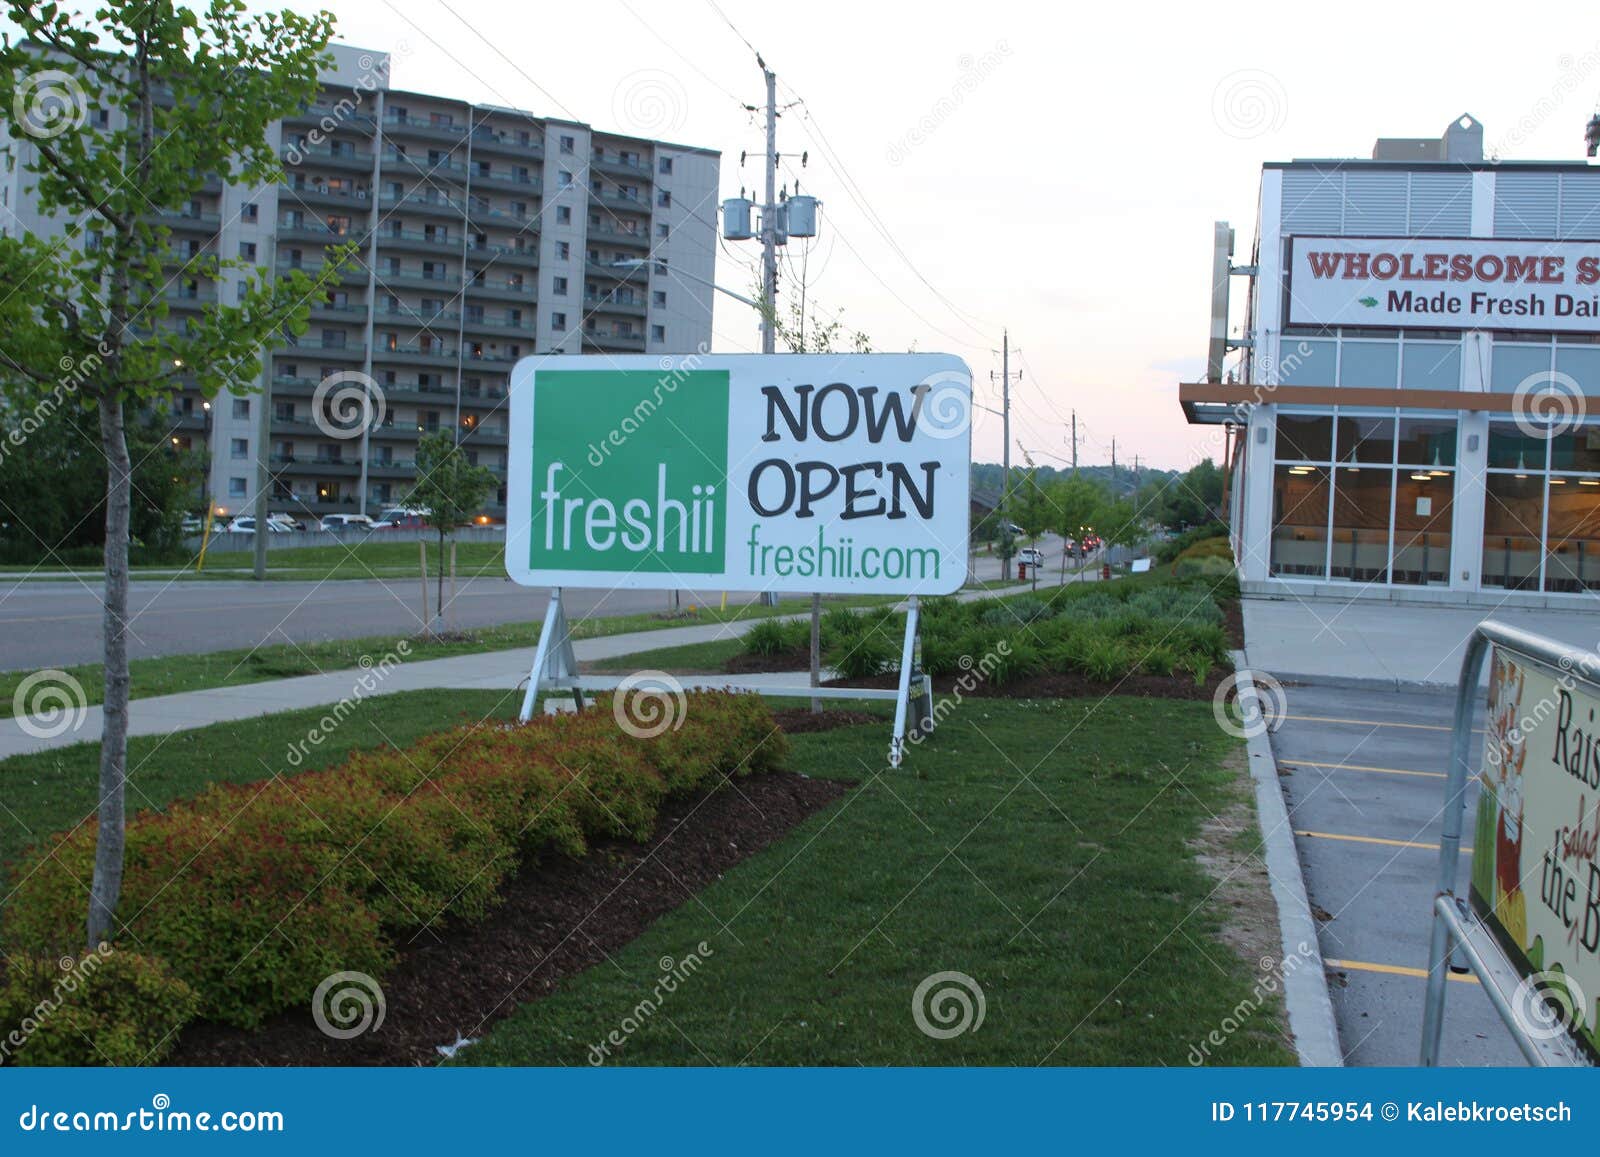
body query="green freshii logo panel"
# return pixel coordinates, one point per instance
(630, 470)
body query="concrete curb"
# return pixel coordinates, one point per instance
(1305, 989)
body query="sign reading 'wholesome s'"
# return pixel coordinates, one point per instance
(1444, 283)
(785, 472)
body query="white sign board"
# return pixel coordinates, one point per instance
(833, 473)
(1444, 283)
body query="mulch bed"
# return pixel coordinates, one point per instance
(797, 720)
(557, 918)
(748, 663)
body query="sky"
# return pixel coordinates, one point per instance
(1051, 171)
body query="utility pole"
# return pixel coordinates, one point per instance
(1005, 417)
(1113, 467)
(769, 219)
(1074, 443)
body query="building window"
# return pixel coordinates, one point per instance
(241, 407)
(558, 286)
(665, 166)
(236, 488)
(563, 215)
(558, 321)
(239, 448)
(1363, 497)
(658, 297)
(567, 145)
(247, 250)
(563, 250)
(663, 230)
(249, 213)
(664, 198)
(658, 333)
(1541, 517)
(564, 178)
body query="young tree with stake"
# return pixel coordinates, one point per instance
(190, 95)
(449, 487)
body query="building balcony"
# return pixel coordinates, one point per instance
(315, 347)
(417, 129)
(613, 343)
(485, 436)
(201, 298)
(393, 468)
(183, 221)
(616, 272)
(500, 289)
(443, 169)
(416, 317)
(639, 239)
(322, 196)
(392, 431)
(435, 204)
(416, 279)
(509, 182)
(316, 233)
(617, 201)
(352, 273)
(436, 354)
(490, 140)
(323, 157)
(488, 359)
(605, 303)
(327, 311)
(418, 395)
(326, 118)
(612, 166)
(503, 254)
(293, 386)
(499, 325)
(417, 241)
(500, 218)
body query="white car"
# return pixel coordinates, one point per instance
(346, 522)
(1031, 555)
(246, 524)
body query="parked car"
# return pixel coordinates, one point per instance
(246, 524)
(192, 524)
(1031, 555)
(346, 522)
(287, 521)
(400, 518)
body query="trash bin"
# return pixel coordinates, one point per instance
(1105, 571)
(1022, 572)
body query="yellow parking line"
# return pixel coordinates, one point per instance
(1393, 969)
(1362, 767)
(1369, 840)
(1374, 723)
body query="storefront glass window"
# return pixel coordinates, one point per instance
(1581, 364)
(1300, 521)
(1422, 525)
(1513, 525)
(1513, 364)
(1307, 362)
(1373, 364)
(1361, 498)
(1305, 437)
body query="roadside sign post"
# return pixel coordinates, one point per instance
(814, 473)
(1530, 928)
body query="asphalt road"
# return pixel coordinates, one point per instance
(55, 624)
(1363, 778)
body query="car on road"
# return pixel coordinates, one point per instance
(1031, 555)
(192, 524)
(246, 524)
(345, 522)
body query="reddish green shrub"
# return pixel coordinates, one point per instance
(251, 894)
(109, 1008)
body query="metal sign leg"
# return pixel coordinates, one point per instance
(908, 655)
(553, 642)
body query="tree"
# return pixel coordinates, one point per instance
(449, 487)
(190, 95)
(1075, 505)
(51, 487)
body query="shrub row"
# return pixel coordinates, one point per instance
(250, 894)
(1103, 632)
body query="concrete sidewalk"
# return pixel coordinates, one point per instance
(488, 671)
(1368, 643)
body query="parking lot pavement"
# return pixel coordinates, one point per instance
(1363, 777)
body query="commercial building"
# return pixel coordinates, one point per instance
(1414, 398)
(485, 234)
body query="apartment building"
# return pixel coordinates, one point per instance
(484, 235)
(1416, 388)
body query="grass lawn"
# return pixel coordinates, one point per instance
(1043, 848)
(170, 674)
(1062, 879)
(691, 657)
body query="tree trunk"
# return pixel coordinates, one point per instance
(439, 616)
(107, 884)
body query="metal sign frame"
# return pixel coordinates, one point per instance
(1456, 927)
(555, 668)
